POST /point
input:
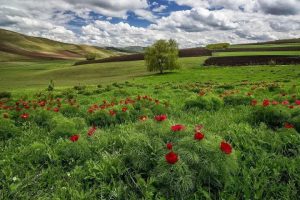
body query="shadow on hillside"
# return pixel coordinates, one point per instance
(158, 74)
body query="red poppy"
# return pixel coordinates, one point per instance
(160, 118)
(253, 102)
(74, 138)
(297, 102)
(169, 146)
(286, 102)
(56, 109)
(291, 106)
(24, 116)
(177, 127)
(171, 157)
(90, 110)
(112, 112)
(91, 131)
(288, 125)
(226, 147)
(275, 103)
(124, 109)
(143, 118)
(266, 102)
(198, 136)
(42, 103)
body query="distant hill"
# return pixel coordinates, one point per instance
(15, 46)
(129, 49)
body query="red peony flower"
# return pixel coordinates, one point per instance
(177, 127)
(198, 136)
(124, 109)
(253, 102)
(169, 146)
(226, 147)
(171, 157)
(266, 102)
(91, 131)
(297, 102)
(56, 109)
(160, 117)
(24, 116)
(74, 138)
(143, 118)
(112, 112)
(288, 125)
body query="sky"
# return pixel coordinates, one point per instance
(121, 23)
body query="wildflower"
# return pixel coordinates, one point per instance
(56, 109)
(288, 125)
(24, 116)
(226, 147)
(275, 103)
(124, 109)
(253, 102)
(74, 138)
(266, 102)
(112, 112)
(143, 118)
(91, 131)
(160, 117)
(291, 106)
(42, 103)
(169, 146)
(297, 102)
(90, 110)
(171, 157)
(177, 127)
(198, 136)
(286, 102)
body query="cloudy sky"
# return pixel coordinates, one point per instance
(141, 22)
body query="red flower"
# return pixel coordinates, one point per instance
(124, 109)
(297, 102)
(91, 131)
(143, 118)
(112, 112)
(169, 146)
(177, 127)
(288, 125)
(24, 116)
(198, 136)
(253, 102)
(56, 109)
(275, 103)
(266, 102)
(226, 147)
(74, 138)
(291, 106)
(160, 118)
(90, 110)
(42, 103)
(171, 157)
(286, 102)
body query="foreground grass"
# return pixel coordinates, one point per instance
(126, 160)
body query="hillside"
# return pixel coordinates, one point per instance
(15, 46)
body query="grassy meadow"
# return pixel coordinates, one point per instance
(115, 131)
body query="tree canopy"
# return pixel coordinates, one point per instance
(162, 55)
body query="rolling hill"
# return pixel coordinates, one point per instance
(18, 47)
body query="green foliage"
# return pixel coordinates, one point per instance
(218, 46)
(162, 55)
(210, 103)
(62, 127)
(5, 95)
(296, 122)
(235, 100)
(8, 129)
(273, 116)
(51, 86)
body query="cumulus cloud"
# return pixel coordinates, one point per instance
(206, 21)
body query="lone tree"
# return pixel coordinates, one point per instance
(162, 55)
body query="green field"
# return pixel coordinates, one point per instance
(265, 45)
(98, 134)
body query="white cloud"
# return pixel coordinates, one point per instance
(160, 8)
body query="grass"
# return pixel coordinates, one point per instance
(292, 53)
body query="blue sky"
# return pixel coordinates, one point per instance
(140, 22)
